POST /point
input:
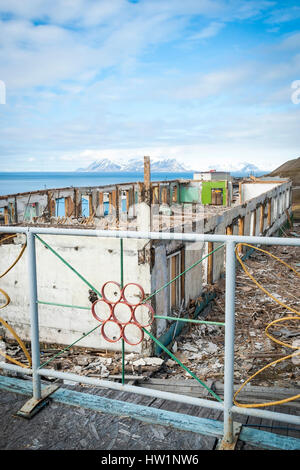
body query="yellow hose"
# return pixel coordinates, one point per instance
(295, 397)
(4, 323)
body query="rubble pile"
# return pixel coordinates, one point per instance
(201, 349)
(86, 362)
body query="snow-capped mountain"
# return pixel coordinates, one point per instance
(245, 168)
(250, 168)
(136, 165)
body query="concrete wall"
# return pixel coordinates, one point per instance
(251, 190)
(97, 259)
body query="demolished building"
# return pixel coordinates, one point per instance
(249, 207)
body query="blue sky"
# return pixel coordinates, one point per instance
(213, 83)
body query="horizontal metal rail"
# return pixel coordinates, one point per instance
(272, 415)
(187, 237)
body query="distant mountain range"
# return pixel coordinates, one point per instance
(136, 165)
(164, 165)
(240, 168)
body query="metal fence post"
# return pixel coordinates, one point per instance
(229, 340)
(34, 320)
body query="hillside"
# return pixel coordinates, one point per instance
(289, 169)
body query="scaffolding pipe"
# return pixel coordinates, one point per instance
(229, 341)
(34, 318)
(185, 237)
(131, 389)
(14, 368)
(266, 414)
(272, 415)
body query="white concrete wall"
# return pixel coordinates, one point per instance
(97, 259)
(251, 190)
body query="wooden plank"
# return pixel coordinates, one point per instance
(101, 206)
(156, 194)
(33, 406)
(164, 195)
(110, 210)
(227, 195)
(173, 285)
(147, 177)
(121, 408)
(69, 206)
(175, 194)
(241, 224)
(52, 207)
(114, 199)
(254, 224)
(117, 203)
(6, 216)
(182, 279)
(240, 193)
(147, 180)
(268, 440)
(141, 192)
(210, 247)
(91, 209)
(262, 218)
(77, 201)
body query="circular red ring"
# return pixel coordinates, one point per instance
(103, 295)
(106, 337)
(124, 336)
(94, 313)
(141, 289)
(116, 319)
(151, 310)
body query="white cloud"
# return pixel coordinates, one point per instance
(213, 84)
(78, 74)
(284, 15)
(292, 41)
(210, 31)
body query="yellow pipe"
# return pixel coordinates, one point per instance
(295, 397)
(4, 323)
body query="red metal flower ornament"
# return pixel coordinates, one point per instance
(123, 312)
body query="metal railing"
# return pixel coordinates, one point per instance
(230, 242)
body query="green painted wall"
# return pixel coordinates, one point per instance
(207, 186)
(189, 194)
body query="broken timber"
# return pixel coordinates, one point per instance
(192, 388)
